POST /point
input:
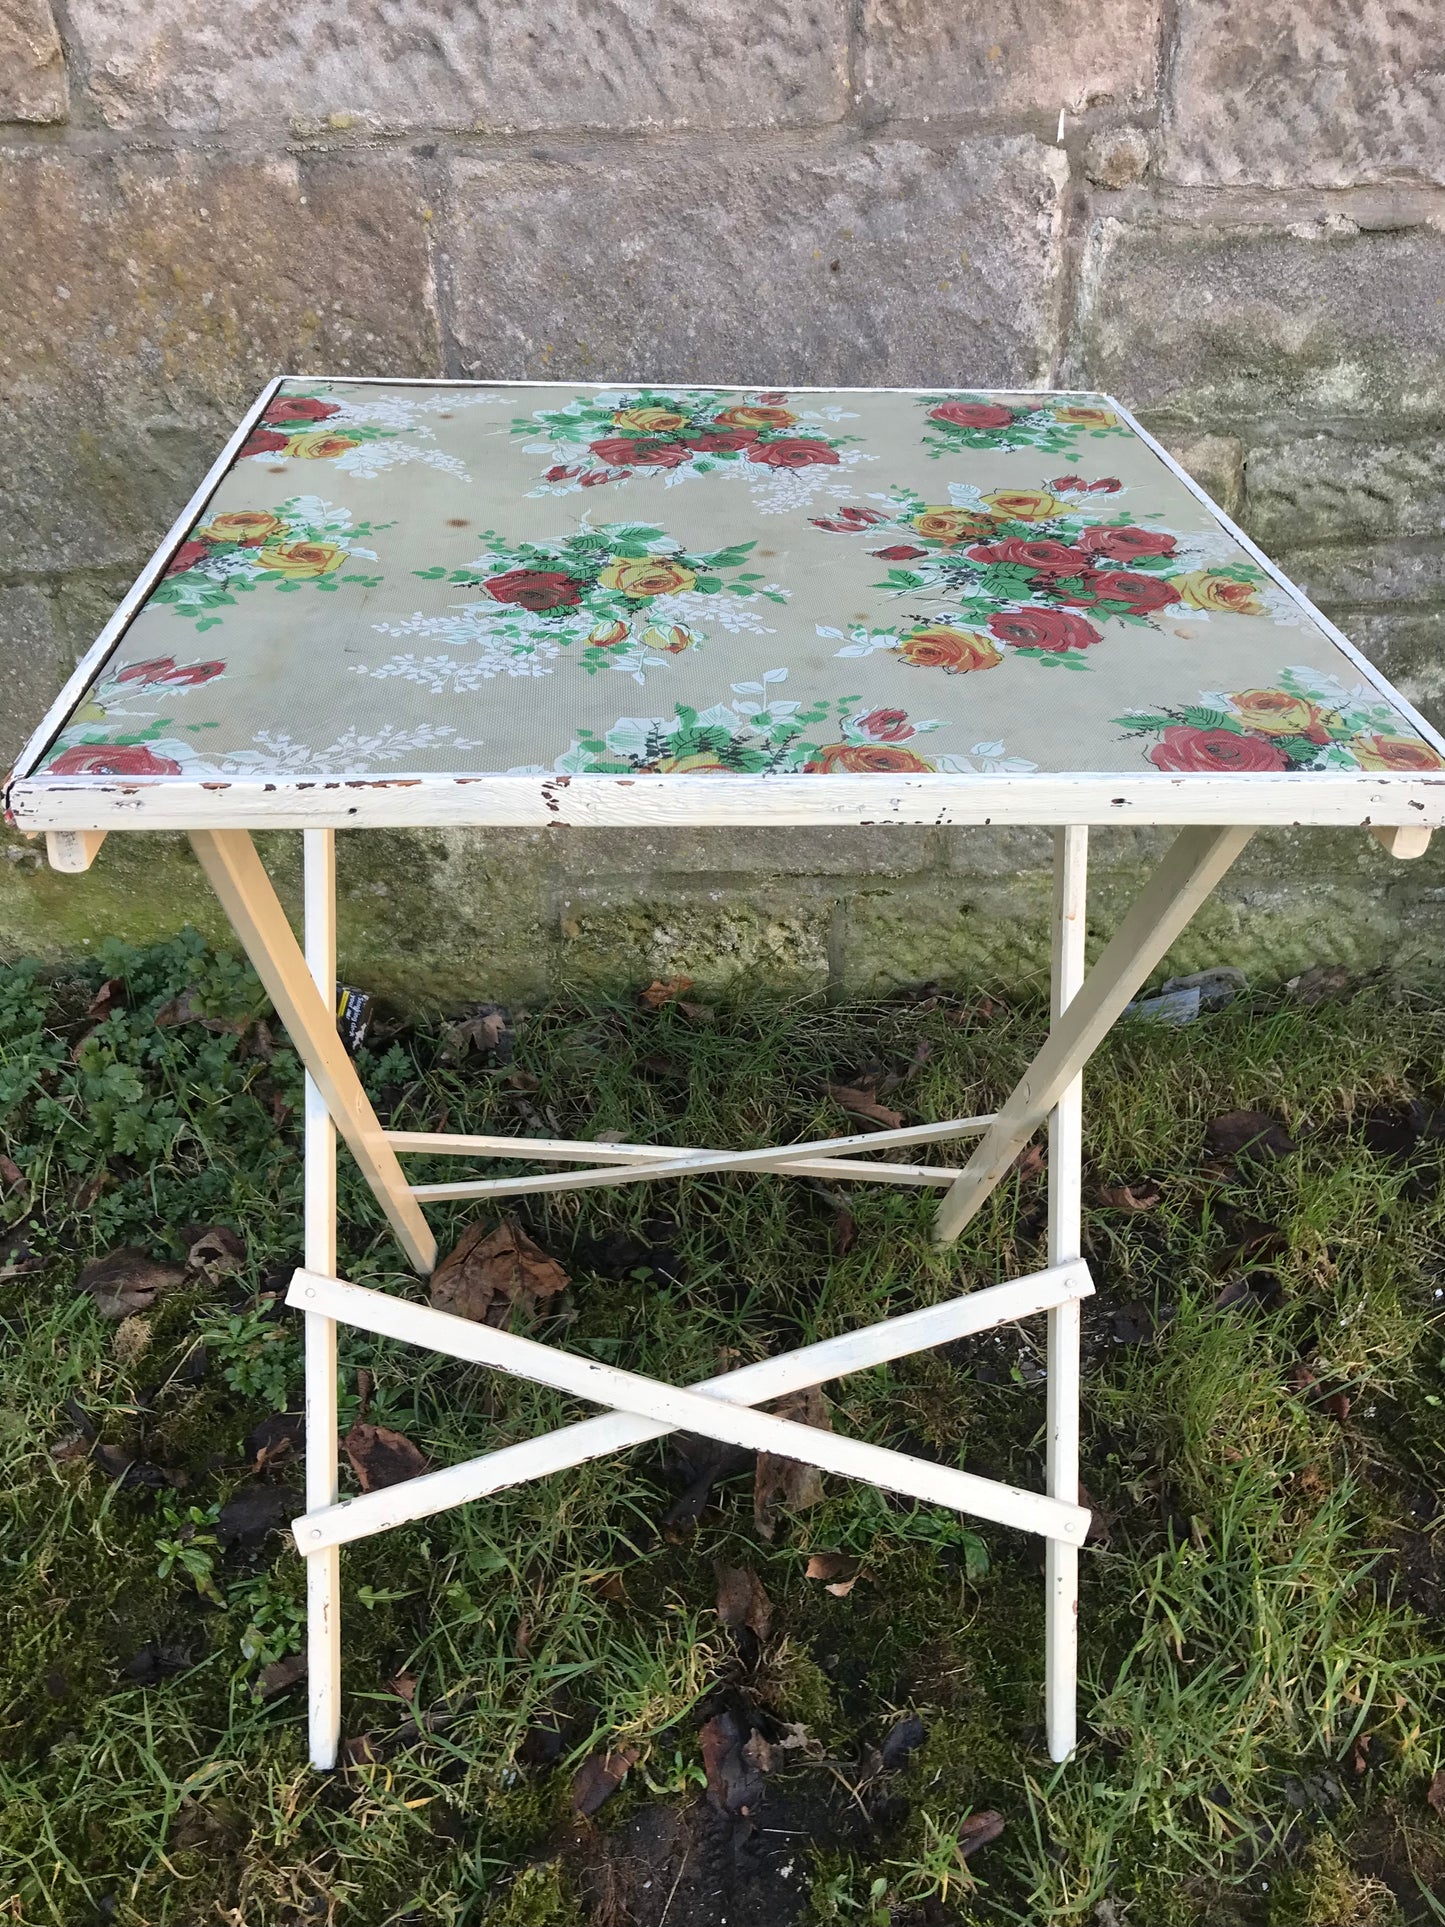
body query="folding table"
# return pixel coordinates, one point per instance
(482, 604)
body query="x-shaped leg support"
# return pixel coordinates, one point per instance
(719, 1408)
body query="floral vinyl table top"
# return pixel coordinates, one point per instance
(437, 580)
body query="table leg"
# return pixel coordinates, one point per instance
(1194, 863)
(1061, 1560)
(323, 1567)
(239, 879)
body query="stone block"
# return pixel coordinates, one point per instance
(405, 65)
(1409, 646)
(33, 84)
(34, 662)
(936, 57)
(1364, 577)
(1333, 487)
(850, 261)
(146, 299)
(1217, 325)
(620, 938)
(1216, 462)
(1319, 93)
(1117, 157)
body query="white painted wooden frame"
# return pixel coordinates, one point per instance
(1084, 1007)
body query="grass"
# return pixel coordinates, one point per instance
(1264, 1696)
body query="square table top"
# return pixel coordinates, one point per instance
(447, 602)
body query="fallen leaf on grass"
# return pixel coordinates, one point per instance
(844, 1234)
(487, 1273)
(1252, 1133)
(1030, 1162)
(381, 1457)
(279, 1676)
(246, 1518)
(89, 1189)
(1435, 1792)
(599, 1777)
(184, 1008)
(901, 1740)
(486, 1028)
(789, 1485)
(127, 1280)
(742, 1602)
(106, 998)
(708, 1461)
(1255, 1290)
(1318, 983)
(403, 1685)
(215, 1250)
(662, 991)
(861, 1101)
(1142, 1195)
(838, 1571)
(276, 1439)
(734, 1774)
(11, 1175)
(978, 1830)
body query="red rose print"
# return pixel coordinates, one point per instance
(112, 759)
(622, 451)
(793, 451)
(1067, 483)
(1110, 485)
(861, 518)
(187, 556)
(772, 399)
(191, 673)
(263, 442)
(973, 414)
(900, 552)
(1141, 592)
(723, 441)
(595, 477)
(1184, 747)
(886, 725)
(1049, 629)
(1125, 544)
(301, 410)
(156, 670)
(561, 474)
(1044, 557)
(534, 588)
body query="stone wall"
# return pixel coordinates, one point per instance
(1230, 215)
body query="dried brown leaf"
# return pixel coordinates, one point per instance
(488, 1029)
(1435, 1792)
(276, 1439)
(734, 1782)
(11, 1176)
(279, 1676)
(214, 1249)
(741, 1600)
(1030, 1162)
(1142, 1195)
(106, 998)
(789, 1485)
(978, 1830)
(599, 1777)
(861, 1102)
(838, 1571)
(127, 1280)
(1319, 983)
(845, 1231)
(381, 1457)
(662, 990)
(488, 1273)
(184, 1008)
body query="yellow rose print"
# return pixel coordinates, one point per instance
(951, 525)
(247, 526)
(1025, 504)
(302, 561)
(1275, 712)
(1202, 589)
(957, 651)
(1081, 417)
(671, 639)
(647, 421)
(317, 445)
(645, 576)
(1393, 752)
(607, 635)
(755, 415)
